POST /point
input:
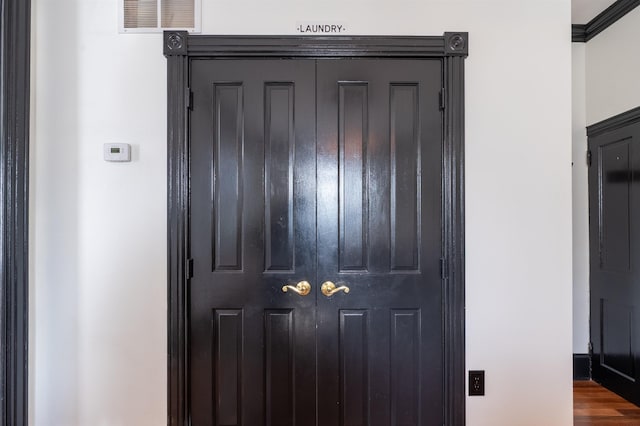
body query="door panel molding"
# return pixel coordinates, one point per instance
(180, 48)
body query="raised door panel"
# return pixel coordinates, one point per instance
(405, 367)
(405, 182)
(353, 201)
(227, 358)
(279, 160)
(280, 348)
(228, 176)
(614, 177)
(354, 367)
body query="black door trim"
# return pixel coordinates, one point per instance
(582, 33)
(15, 29)
(180, 48)
(616, 122)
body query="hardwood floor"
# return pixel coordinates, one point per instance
(595, 405)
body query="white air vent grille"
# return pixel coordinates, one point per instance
(178, 14)
(158, 15)
(140, 13)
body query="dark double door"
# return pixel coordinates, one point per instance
(317, 171)
(614, 221)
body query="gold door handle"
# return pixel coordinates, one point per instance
(329, 289)
(302, 288)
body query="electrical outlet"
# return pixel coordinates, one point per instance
(476, 382)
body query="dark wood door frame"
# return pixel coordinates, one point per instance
(15, 29)
(180, 48)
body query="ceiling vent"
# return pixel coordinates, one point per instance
(150, 16)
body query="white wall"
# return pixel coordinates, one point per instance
(53, 211)
(613, 67)
(99, 231)
(580, 204)
(100, 228)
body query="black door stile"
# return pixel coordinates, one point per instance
(243, 352)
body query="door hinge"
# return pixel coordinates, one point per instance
(189, 99)
(442, 99)
(444, 270)
(590, 348)
(589, 158)
(189, 268)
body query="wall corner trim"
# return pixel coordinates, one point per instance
(608, 17)
(15, 30)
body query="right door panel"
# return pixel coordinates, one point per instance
(379, 209)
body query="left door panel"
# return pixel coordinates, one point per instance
(252, 230)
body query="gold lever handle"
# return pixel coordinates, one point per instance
(329, 289)
(302, 288)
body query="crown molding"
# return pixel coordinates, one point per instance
(578, 33)
(608, 17)
(614, 123)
